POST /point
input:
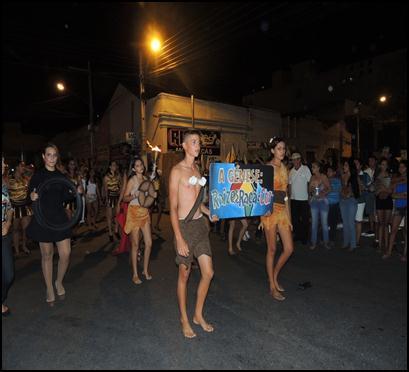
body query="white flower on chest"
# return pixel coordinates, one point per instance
(194, 181)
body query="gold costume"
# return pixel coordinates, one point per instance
(18, 190)
(113, 183)
(279, 215)
(137, 216)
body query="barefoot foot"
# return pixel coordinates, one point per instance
(50, 297)
(147, 276)
(277, 295)
(136, 280)
(187, 329)
(279, 288)
(60, 288)
(206, 326)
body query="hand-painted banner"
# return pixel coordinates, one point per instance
(240, 190)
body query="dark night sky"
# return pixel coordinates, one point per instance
(227, 50)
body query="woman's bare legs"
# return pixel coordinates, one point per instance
(381, 228)
(25, 221)
(232, 224)
(134, 255)
(288, 248)
(271, 237)
(64, 252)
(384, 217)
(147, 237)
(244, 226)
(16, 236)
(47, 253)
(109, 220)
(388, 217)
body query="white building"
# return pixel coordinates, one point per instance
(223, 126)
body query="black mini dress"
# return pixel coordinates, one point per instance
(52, 207)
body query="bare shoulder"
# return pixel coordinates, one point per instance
(176, 169)
(175, 172)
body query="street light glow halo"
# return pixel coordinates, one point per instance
(155, 45)
(60, 86)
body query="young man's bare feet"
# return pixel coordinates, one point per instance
(238, 246)
(187, 329)
(206, 326)
(136, 280)
(232, 253)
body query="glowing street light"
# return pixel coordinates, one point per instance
(382, 99)
(60, 86)
(155, 45)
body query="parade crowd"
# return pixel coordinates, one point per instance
(312, 202)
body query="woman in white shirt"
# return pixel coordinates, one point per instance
(92, 198)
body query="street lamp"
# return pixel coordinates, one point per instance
(382, 99)
(155, 46)
(60, 86)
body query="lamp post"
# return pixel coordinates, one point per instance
(61, 87)
(155, 47)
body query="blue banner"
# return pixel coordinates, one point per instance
(244, 190)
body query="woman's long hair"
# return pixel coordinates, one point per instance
(131, 171)
(353, 179)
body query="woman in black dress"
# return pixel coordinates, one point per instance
(53, 209)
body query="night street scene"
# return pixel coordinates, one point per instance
(210, 185)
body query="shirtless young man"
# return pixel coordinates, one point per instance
(191, 238)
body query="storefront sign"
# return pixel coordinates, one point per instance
(240, 190)
(130, 137)
(210, 141)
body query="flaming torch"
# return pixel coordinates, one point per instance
(156, 150)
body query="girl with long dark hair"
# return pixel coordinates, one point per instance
(279, 220)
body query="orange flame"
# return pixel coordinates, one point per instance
(156, 148)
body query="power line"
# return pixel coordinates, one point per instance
(197, 53)
(216, 33)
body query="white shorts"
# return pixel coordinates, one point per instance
(360, 212)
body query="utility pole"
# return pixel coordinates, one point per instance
(142, 99)
(91, 113)
(358, 129)
(90, 105)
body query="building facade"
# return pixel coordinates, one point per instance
(348, 94)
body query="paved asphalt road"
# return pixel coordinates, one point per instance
(354, 316)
